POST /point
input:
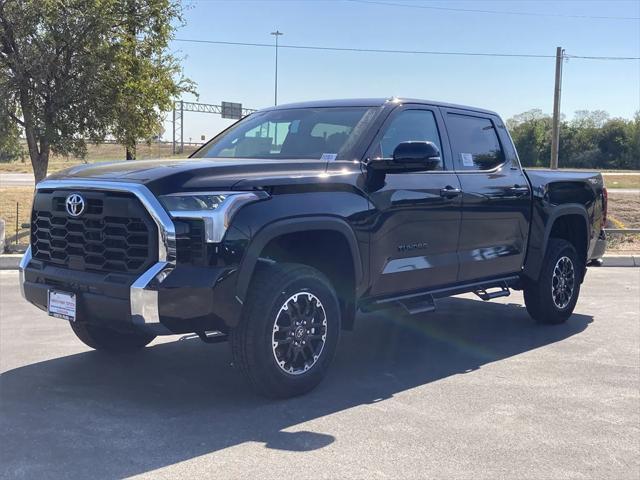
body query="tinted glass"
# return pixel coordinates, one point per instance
(293, 133)
(409, 125)
(474, 142)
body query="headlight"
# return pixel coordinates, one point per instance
(216, 209)
(199, 201)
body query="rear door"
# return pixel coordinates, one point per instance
(414, 231)
(496, 202)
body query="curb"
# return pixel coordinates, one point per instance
(621, 261)
(11, 261)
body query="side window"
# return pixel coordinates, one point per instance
(474, 142)
(409, 125)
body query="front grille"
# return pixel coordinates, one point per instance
(114, 234)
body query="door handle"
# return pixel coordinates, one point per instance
(450, 191)
(518, 190)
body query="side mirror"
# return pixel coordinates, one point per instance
(423, 155)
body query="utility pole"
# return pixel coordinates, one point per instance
(555, 132)
(276, 34)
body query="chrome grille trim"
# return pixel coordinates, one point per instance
(143, 292)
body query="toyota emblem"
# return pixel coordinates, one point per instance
(74, 204)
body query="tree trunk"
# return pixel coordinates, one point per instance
(131, 153)
(40, 166)
(39, 156)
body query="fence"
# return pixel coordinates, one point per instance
(13, 243)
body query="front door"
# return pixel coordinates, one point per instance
(416, 215)
(496, 204)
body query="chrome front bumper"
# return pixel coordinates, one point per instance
(144, 290)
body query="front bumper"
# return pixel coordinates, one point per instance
(164, 300)
(167, 298)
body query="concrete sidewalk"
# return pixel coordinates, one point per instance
(16, 180)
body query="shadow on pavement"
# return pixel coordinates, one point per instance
(98, 415)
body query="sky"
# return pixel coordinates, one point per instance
(509, 86)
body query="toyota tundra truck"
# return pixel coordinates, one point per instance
(278, 231)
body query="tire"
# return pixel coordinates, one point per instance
(109, 340)
(545, 306)
(265, 342)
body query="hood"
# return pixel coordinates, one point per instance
(164, 176)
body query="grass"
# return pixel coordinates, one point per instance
(624, 210)
(106, 152)
(623, 244)
(622, 181)
(9, 196)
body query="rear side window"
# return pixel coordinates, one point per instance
(474, 142)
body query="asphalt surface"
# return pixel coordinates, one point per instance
(473, 391)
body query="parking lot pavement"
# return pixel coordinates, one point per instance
(475, 390)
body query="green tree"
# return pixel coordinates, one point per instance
(614, 143)
(145, 78)
(634, 142)
(531, 132)
(10, 148)
(66, 65)
(589, 140)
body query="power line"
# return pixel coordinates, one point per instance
(591, 57)
(496, 12)
(391, 51)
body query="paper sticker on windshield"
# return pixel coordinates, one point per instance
(467, 159)
(329, 157)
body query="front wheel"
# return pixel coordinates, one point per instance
(109, 340)
(553, 297)
(290, 328)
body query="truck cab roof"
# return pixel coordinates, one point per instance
(373, 102)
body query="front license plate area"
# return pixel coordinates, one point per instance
(62, 305)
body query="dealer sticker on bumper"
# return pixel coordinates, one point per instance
(62, 305)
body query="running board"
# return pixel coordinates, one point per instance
(485, 295)
(422, 302)
(212, 337)
(414, 306)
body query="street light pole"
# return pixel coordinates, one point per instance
(276, 34)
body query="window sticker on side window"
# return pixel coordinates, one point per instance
(329, 157)
(467, 159)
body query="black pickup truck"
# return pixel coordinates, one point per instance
(278, 230)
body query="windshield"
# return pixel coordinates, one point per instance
(313, 133)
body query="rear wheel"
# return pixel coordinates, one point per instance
(106, 339)
(553, 297)
(287, 337)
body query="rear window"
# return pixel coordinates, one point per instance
(474, 142)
